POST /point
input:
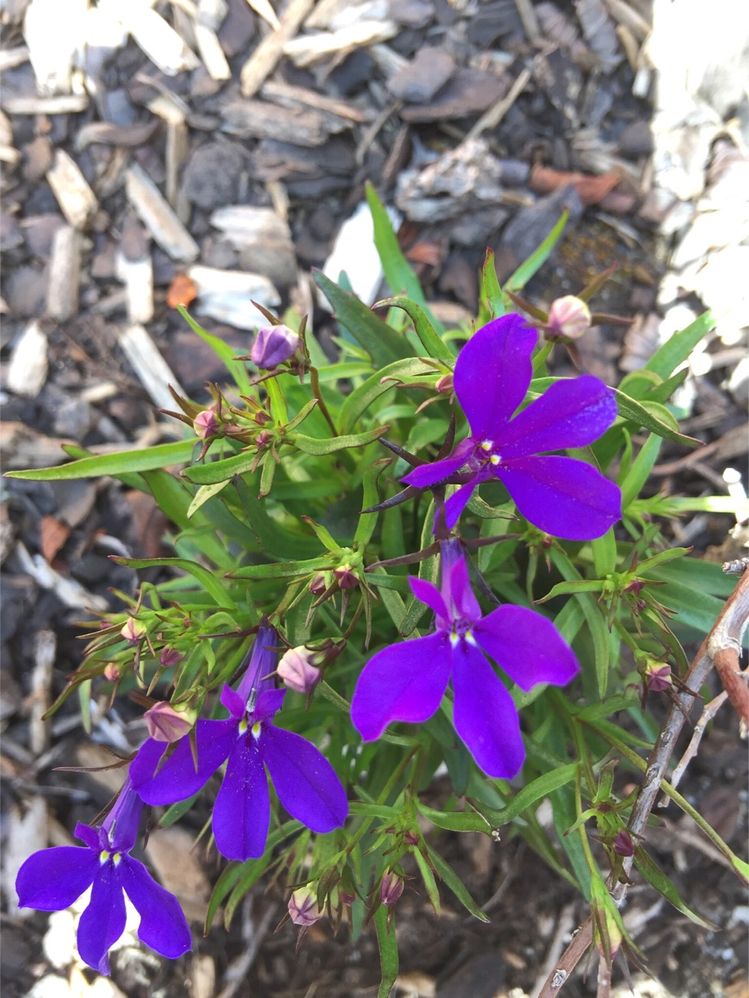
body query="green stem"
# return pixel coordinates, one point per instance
(317, 392)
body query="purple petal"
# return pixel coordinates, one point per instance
(404, 682)
(262, 663)
(177, 779)
(427, 592)
(123, 821)
(269, 702)
(436, 472)
(458, 501)
(570, 413)
(241, 814)
(485, 716)
(89, 835)
(233, 702)
(527, 646)
(53, 879)
(493, 372)
(306, 783)
(103, 922)
(458, 592)
(562, 496)
(163, 925)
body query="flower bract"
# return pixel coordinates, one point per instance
(53, 879)
(560, 495)
(406, 682)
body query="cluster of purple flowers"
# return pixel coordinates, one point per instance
(560, 495)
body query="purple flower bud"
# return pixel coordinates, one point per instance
(165, 724)
(264, 438)
(297, 670)
(657, 676)
(444, 385)
(623, 844)
(205, 424)
(391, 888)
(346, 577)
(133, 631)
(303, 908)
(569, 317)
(169, 657)
(318, 585)
(112, 672)
(273, 345)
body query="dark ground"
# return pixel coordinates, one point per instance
(580, 133)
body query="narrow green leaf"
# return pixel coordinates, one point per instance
(424, 326)
(380, 382)
(569, 588)
(223, 470)
(456, 821)
(143, 459)
(380, 341)
(398, 271)
(313, 445)
(429, 882)
(451, 880)
(536, 790)
(204, 493)
(527, 269)
(653, 416)
(678, 348)
(493, 302)
(658, 879)
(208, 580)
(604, 554)
(639, 473)
(385, 927)
(283, 569)
(593, 618)
(223, 351)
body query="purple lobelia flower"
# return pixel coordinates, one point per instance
(559, 495)
(406, 682)
(306, 783)
(54, 878)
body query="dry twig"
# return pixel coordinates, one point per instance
(721, 645)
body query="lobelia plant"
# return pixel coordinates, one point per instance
(291, 538)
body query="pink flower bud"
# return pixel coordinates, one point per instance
(133, 631)
(346, 577)
(391, 888)
(297, 670)
(205, 424)
(303, 908)
(273, 345)
(657, 676)
(111, 672)
(318, 584)
(623, 844)
(444, 385)
(264, 438)
(169, 657)
(165, 724)
(569, 317)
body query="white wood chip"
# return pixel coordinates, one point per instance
(158, 217)
(152, 370)
(158, 39)
(45, 650)
(137, 276)
(245, 224)
(225, 295)
(26, 832)
(65, 104)
(263, 9)
(64, 274)
(332, 14)
(76, 199)
(354, 252)
(305, 50)
(67, 590)
(263, 60)
(11, 58)
(27, 370)
(211, 52)
(53, 33)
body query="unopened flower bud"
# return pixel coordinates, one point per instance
(205, 424)
(346, 577)
(165, 724)
(444, 385)
(657, 676)
(303, 908)
(133, 631)
(169, 657)
(391, 888)
(111, 672)
(297, 669)
(623, 844)
(569, 317)
(264, 438)
(273, 345)
(318, 584)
